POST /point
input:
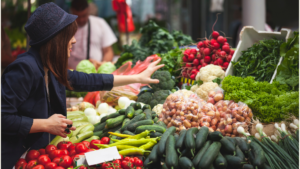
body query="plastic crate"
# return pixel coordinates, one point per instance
(248, 36)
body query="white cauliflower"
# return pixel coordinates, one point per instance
(209, 73)
(158, 109)
(203, 90)
(194, 88)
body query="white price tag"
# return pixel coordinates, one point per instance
(102, 155)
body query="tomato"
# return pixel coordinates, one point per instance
(59, 167)
(86, 143)
(50, 165)
(127, 158)
(126, 165)
(32, 155)
(138, 162)
(64, 145)
(105, 165)
(21, 166)
(65, 161)
(42, 151)
(71, 147)
(31, 164)
(82, 167)
(122, 157)
(72, 153)
(105, 140)
(43, 159)
(39, 167)
(65, 152)
(89, 150)
(49, 148)
(55, 153)
(131, 160)
(20, 162)
(80, 148)
(138, 167)
(117, 161)
(93, 142)
(56, 160)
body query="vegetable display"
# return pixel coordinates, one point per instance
(106, 68)
(86, 66)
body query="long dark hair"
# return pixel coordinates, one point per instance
(54, 54)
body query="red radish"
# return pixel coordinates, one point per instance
(218, 52)
(226, 48)
(220, 61)
(213, 41)
(187, 52)
(225, 64)
(211, 62)
(194, 71)
(216, 62)
(204, 64)
(193, 76)
(185, 59)
(215, 34)
(199, 56)
(201, 50)
(231, 52)
(200, 45)
(225, 40)
(193, 51)
(226, 43)
(188, 72)
(199, 67)
(216, 45)
(213, 57)
(220, 39)
(188, 65)
(196, 62)
(206, 51)
(184, 74)
(207, 59)
(206, 43)
(228, 58)
(191, 57)
(202, 61)
(223, 54)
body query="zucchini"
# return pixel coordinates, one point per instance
(186, 163)
(258, 155)
(122, 111)
(114, 122)
(220, 162)
(143, 128)
(99, 126)
(137, 112)
(234, 161)
(215, 136)
(153, 155)
(129, 112)
(135, 119)
(155, 134)
(189, 141)
(227, 146)
(179, 142)
(162, 124)
(201, 152)
(242, 145)
(201, 137)
(171, 155)
(210, 155)
(137, 106)
(113, 115)
(133, 126)
(248, 166)
(239, 153)
(125, 121)
(148, 114)
(146, 106)
(162, 142)
(128, 132)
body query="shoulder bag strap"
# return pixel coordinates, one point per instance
(88, 41)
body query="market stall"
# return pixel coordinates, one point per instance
(215, 107)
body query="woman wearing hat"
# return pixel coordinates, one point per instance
(33, 98)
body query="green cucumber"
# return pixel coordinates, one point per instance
(101, 134)
(234, 161)
(114, 122)
(135, 119)
(220, 162)
(146, 106)
(128, 132)
(201, 137)
(162, 142)
(201, 152)
(92, 138)
(137, 106)
(232, 140)
(258, 155)
(186, 163)
(117, 128)
(186, 153)
(242, 145)
(122, 111)
(266, 166)
(154, 115)
(125, 121)
(248, 166)
(211, 167)
(148, 114)
(180, 141)
(153, 158)
(171, 155)
(162, 124)
(155, 120)
(210, 155)
(129, 112)
(133, 126)
(176, 136)
(131, 104)
(99, 126)
(155, 134)
(143, 128)
(189, 141)
(113, 115)
(137, 112)
(215, 136)
(164, 166)
(239, 153)
(227, 146)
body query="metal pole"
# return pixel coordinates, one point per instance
(254, 13)
(28, 15)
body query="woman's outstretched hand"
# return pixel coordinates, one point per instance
(145, 76)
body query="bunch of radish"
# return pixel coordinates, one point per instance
(215, 51)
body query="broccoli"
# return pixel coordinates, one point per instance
(145, 97)
(165, 81)
(159, 97)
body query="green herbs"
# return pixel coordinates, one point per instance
(288, 70)
(182, 39)
(269, 102)
(259, 61)
(172, 61)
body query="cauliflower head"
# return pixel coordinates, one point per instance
(158, 109)
(194, 88)
(210, 72)
(203, 90)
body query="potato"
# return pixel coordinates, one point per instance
(195, 118)
(187, 124)
(194, 124)
(189, 116)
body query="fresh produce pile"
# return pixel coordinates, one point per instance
(87, 67)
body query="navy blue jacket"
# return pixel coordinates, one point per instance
(24, 98)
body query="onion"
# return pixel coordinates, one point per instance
(207, 124)
(90, 112)
(235, 132)
(103, 108)
(229, 121)
(217, 115)
(228, 129)
(234, 125)
(250, 114)
(210, 129)
(211, 100)
(223, 132)
(218, 97)
(224, 108)
(211, 94)
(211, 114)
(222, 114)
(122, 102)
(214, 121)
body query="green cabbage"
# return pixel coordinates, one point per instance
(107, 68)
(86, 66)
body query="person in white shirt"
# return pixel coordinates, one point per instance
(94, 37)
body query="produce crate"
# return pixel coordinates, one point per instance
(248, 36)
(186, 80)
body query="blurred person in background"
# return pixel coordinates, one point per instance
(94, 37)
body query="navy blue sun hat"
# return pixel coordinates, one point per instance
(45, 22)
